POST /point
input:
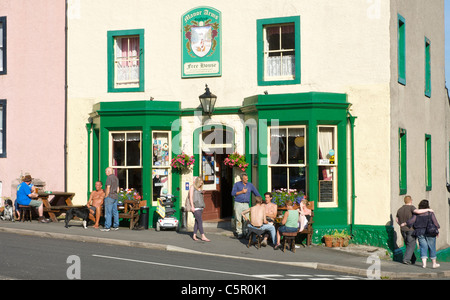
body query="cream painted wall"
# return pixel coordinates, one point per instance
(344, 49)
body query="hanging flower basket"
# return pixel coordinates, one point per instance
(182, 162)
(236, 160)
(279, 197)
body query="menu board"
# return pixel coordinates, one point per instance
(325, 190)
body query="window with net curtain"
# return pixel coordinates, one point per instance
(279, 51)
(126, 159)
(127, 62)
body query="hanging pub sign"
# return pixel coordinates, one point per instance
(201, 36)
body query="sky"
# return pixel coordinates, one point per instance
(447, 42)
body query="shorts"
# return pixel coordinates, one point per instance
(35, 203)
(94, 209)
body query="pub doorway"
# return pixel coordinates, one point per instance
(217, 178)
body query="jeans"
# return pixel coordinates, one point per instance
(111, 212)
(270, 228)
(427, 243)
(410, 246)
(198, 225)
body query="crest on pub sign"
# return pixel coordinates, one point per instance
(201, 38)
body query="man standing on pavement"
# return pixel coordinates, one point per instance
(405, 213)
(111, 197)
(241, 192)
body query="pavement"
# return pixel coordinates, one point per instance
(359, 260)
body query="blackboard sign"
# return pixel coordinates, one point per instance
(325, 191)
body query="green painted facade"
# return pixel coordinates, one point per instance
(145, 116)
(307, 109)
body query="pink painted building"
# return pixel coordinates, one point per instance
(32, 93)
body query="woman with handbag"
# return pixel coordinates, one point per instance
(426, 230)
(197, 205)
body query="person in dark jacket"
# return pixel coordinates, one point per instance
(427, 240)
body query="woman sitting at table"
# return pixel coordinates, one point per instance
(305, 214)
(289, 222)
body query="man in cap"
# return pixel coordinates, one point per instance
(25, 197)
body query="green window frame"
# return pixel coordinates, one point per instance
(112, 36)
(402, 161)
(428, 170)
(263, 52)
(427, 68)
(401, 50)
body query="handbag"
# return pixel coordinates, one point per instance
(187, 204)
(431, 229)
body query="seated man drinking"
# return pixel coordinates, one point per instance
(258, 218)
(95, 203)
(25, 196)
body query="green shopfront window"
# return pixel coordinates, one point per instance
(161, 157)
(126, 158)
(287, 162)
(327, 164)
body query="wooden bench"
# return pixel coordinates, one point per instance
(130, 210)
(25, 210)
(60, 202)
(289, 237)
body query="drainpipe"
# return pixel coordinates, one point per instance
(352, 137)
(65, 94)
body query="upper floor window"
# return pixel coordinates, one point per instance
(279, 51)
(401, 50)
(126, 61)
(2, 45)
(427, 67)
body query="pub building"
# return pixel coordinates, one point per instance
(318, 96)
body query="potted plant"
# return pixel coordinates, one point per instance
(236, 160)
(182, 162)
(337, 239)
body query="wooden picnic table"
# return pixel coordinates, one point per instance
(56, 203)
